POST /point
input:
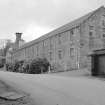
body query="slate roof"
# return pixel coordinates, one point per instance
(63, 28)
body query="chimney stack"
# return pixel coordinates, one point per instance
(18, 38)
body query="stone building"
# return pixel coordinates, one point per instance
(19, 41)
(68, 46)
(17, 44)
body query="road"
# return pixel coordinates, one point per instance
(58, 90)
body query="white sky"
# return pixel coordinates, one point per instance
(36, 17)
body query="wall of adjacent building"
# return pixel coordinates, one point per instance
(91, 37)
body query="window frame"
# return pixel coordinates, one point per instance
(72, 52)
(60, 54)
(71, 34)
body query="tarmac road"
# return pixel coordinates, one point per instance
(48, 89)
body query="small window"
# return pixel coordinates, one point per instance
(103, 15)
(37, 48)
(59, 38)
(91, 40)
(71, 52)
(60, 54)
(104, 35)
(51, 46)
(50, 55)
(91, 27)
(103, 23)
(90, 34)
(43, 43)
(71, 34)
(81, 44)
(103, 29)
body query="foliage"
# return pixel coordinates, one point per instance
(4, 50)
(9, 67)
(35, 66)
(39, 65)
(16, 66)
(26, 66)
(1, 65)
(7, 46)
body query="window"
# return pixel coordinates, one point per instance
(59, 38)
(71, 52)
(103, 29)
(71, 34)
(91, 40)
(37, 48)
(104, 35)
(103, 23)
(43, 44)
(91, 27)
(90, 34)
(81, 44)
(51, 44)
(60, 54)
(50, 55)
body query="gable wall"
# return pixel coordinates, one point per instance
(87, 43)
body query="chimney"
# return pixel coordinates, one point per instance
(18, 38)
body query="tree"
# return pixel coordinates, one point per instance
(5, 49)
(7, 46)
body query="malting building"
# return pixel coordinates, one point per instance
(68, 46)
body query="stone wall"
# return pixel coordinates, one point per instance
(91, 37)
(55, 48)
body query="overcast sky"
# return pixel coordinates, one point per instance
(36, 17)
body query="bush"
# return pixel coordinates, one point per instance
(20, 69)
(16, 66)
(26, 66)
(39, 65)
(1, 65)
(9, 67)
(56, 67)
(35, 66)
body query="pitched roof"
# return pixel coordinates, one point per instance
(63, 28)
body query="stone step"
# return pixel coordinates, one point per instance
(11, 95)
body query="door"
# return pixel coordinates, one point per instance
(101, 65)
